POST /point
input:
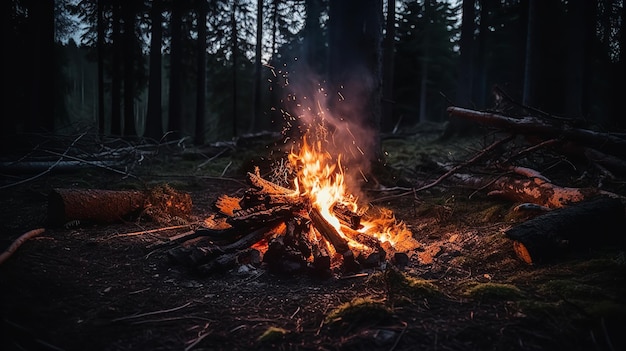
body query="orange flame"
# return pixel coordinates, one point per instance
(321, 179)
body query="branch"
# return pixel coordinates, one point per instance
(18, 242)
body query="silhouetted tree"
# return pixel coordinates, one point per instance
(387, 121)
(235, 59)
(100, 52)
(116, 70)
(201, 72)
(465, 77)
(176, 62)
(129, 58)
(154, 115)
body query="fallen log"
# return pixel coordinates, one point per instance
(106, 206)
(536, 190)
(587, 224)
(95, 205)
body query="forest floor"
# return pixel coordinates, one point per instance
(87, 286)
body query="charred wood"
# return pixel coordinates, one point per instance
(347, 216)
(251, 218)
(199, 255)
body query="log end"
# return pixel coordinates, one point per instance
(522, 252)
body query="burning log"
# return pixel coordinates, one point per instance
(568, 229)
(336, 240)
(346, 216)
(328, 231)
(259, 215)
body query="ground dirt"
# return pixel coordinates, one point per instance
(90, 286)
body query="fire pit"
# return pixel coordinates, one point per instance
(311, 225)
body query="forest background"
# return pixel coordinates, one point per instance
(209, 70)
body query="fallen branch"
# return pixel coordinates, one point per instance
(64, 154)
(532, 125)
(534, 190)
(18, 242)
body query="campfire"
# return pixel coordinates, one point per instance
(301, 218)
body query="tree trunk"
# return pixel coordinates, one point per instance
(154, 117)
(42, 92)
(128, 9)
(581, 28)
(235, 52)
(100, 54)
(387, 103)
(116, 79)
(201, 74)
(176, 86)
(465, 79)
(257, 113)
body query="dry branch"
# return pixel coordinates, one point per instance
(18, 242)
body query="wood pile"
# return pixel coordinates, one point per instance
(276, 226)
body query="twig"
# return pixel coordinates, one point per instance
(393, 347)
(150, 231)
(212, 158)
(18, 242)
(64, 154)
(226, 168)
(450, 172)
(150, 313)
(196, 341)
(530, 149)
(125, 174)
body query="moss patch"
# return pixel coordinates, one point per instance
(272, 334)
(495, 291)
(359, 310)
(401, 287)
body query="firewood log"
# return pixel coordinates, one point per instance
(266, 186)
(347, 216)
(328, 231)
